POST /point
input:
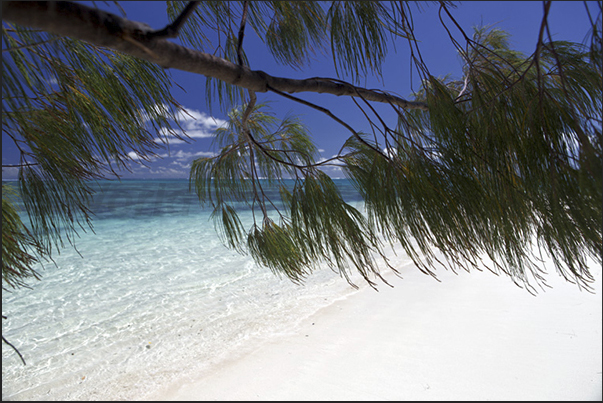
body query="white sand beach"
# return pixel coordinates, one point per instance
(474, 336)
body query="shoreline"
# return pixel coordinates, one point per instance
(474, 336)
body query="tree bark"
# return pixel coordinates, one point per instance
(101, 28)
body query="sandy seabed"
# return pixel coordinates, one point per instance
(473, 336)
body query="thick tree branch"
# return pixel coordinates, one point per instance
(134, 38)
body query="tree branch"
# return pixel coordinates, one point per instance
(13, 347)
(242, 33)
(172, 30)
(332, 116)
(136, 39)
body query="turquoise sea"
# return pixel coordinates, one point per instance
(151, 296)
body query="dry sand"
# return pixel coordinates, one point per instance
(474, 336)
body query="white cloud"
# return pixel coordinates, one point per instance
(171, 141)
(195, 124)
(185, 155)
(198, 124)
(334, 172)
(168, 135)
(168, 172)
(180, 164)
(199, 134)
(134, 155)
(390, 152)
(157, 109)
(138, 158)
(10, 173)
(166, 132)
(332, 163)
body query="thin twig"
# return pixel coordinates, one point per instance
(19, 165)
(31, 45)
(13, 347)
(242, 33)
(172, 30)
(332, 116)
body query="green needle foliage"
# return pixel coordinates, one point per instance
(319, 227)
(506, 160)
(514, 160)
(17, 245)
(76, 112)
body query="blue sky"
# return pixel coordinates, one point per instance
(568, 21)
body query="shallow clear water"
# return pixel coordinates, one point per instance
(154, 295)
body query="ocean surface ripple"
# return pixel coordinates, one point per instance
(150, 296)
